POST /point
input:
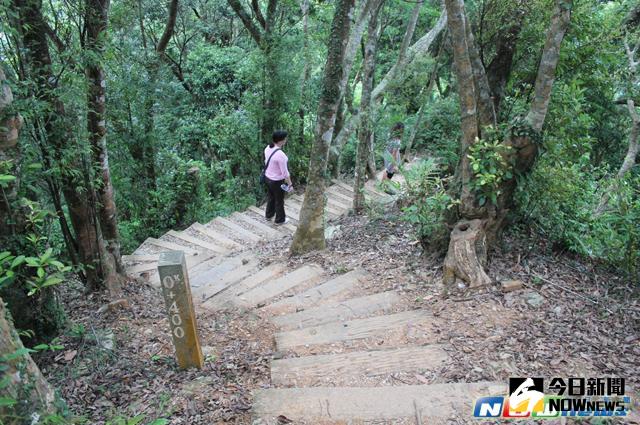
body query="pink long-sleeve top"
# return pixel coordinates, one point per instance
(277, 169)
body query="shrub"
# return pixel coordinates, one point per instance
(426, 205)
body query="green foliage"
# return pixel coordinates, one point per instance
(440, 131)
(561, 199)
(489, 165)
(427, 203)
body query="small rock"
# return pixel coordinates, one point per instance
(278, 355)
(331, 231)
(511, 285)
(106, 339)
(534, 299)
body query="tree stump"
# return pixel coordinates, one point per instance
(467, 255)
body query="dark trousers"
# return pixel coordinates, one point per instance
(275, 200)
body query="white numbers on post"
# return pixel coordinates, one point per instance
(174, 311)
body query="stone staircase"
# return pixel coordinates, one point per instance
(345, 351)
(205, 245)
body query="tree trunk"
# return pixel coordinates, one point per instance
(364, 136)
(25, 385)
(310, 232)
(78, 194)
(499, 70)
(96, 26)
(306, 71)
(632, 150)
(10, 221)
(468, 98)
(40, 312)
(484, 103)
(478, 226)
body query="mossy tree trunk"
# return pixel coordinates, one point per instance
(309, 235)
(26, 386)
(478, 226)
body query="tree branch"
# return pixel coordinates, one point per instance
(254, 31)
(256, 9)
(548, 63)
(169, 27)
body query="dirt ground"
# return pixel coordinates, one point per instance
(571, 318)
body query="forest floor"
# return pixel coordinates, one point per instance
(572, 318)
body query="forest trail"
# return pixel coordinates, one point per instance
(340, 343)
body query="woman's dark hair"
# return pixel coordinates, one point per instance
(278, 136)
(397, 128)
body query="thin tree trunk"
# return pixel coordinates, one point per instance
(306, 69)
(25, 383)
(420, 113)
(310, 232)
(499, 70)
(96, 25)
(634, 147)
(364, 136)
(416, 51)
(353, 44)
(486, 111)
(632, 150)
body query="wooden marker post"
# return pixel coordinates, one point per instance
(182, 319)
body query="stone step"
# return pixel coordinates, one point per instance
(198, 242)
(215, 269)
(292, 209)
(334, 192)
(228, 297)
(262, 228)
(171, 246)
(219, 237)
(343, 185)
(262, 293)
(338, 203)
(287, 372)
(150, 258)
(369, 188)
(338, 311)
(343, 283)
(238, 230)
(141, 268)
(193, 263)
(226, 280)
(350, 330)
(291, 226)
(334, 404)
(330, 210)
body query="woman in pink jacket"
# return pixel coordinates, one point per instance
(276, 175)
